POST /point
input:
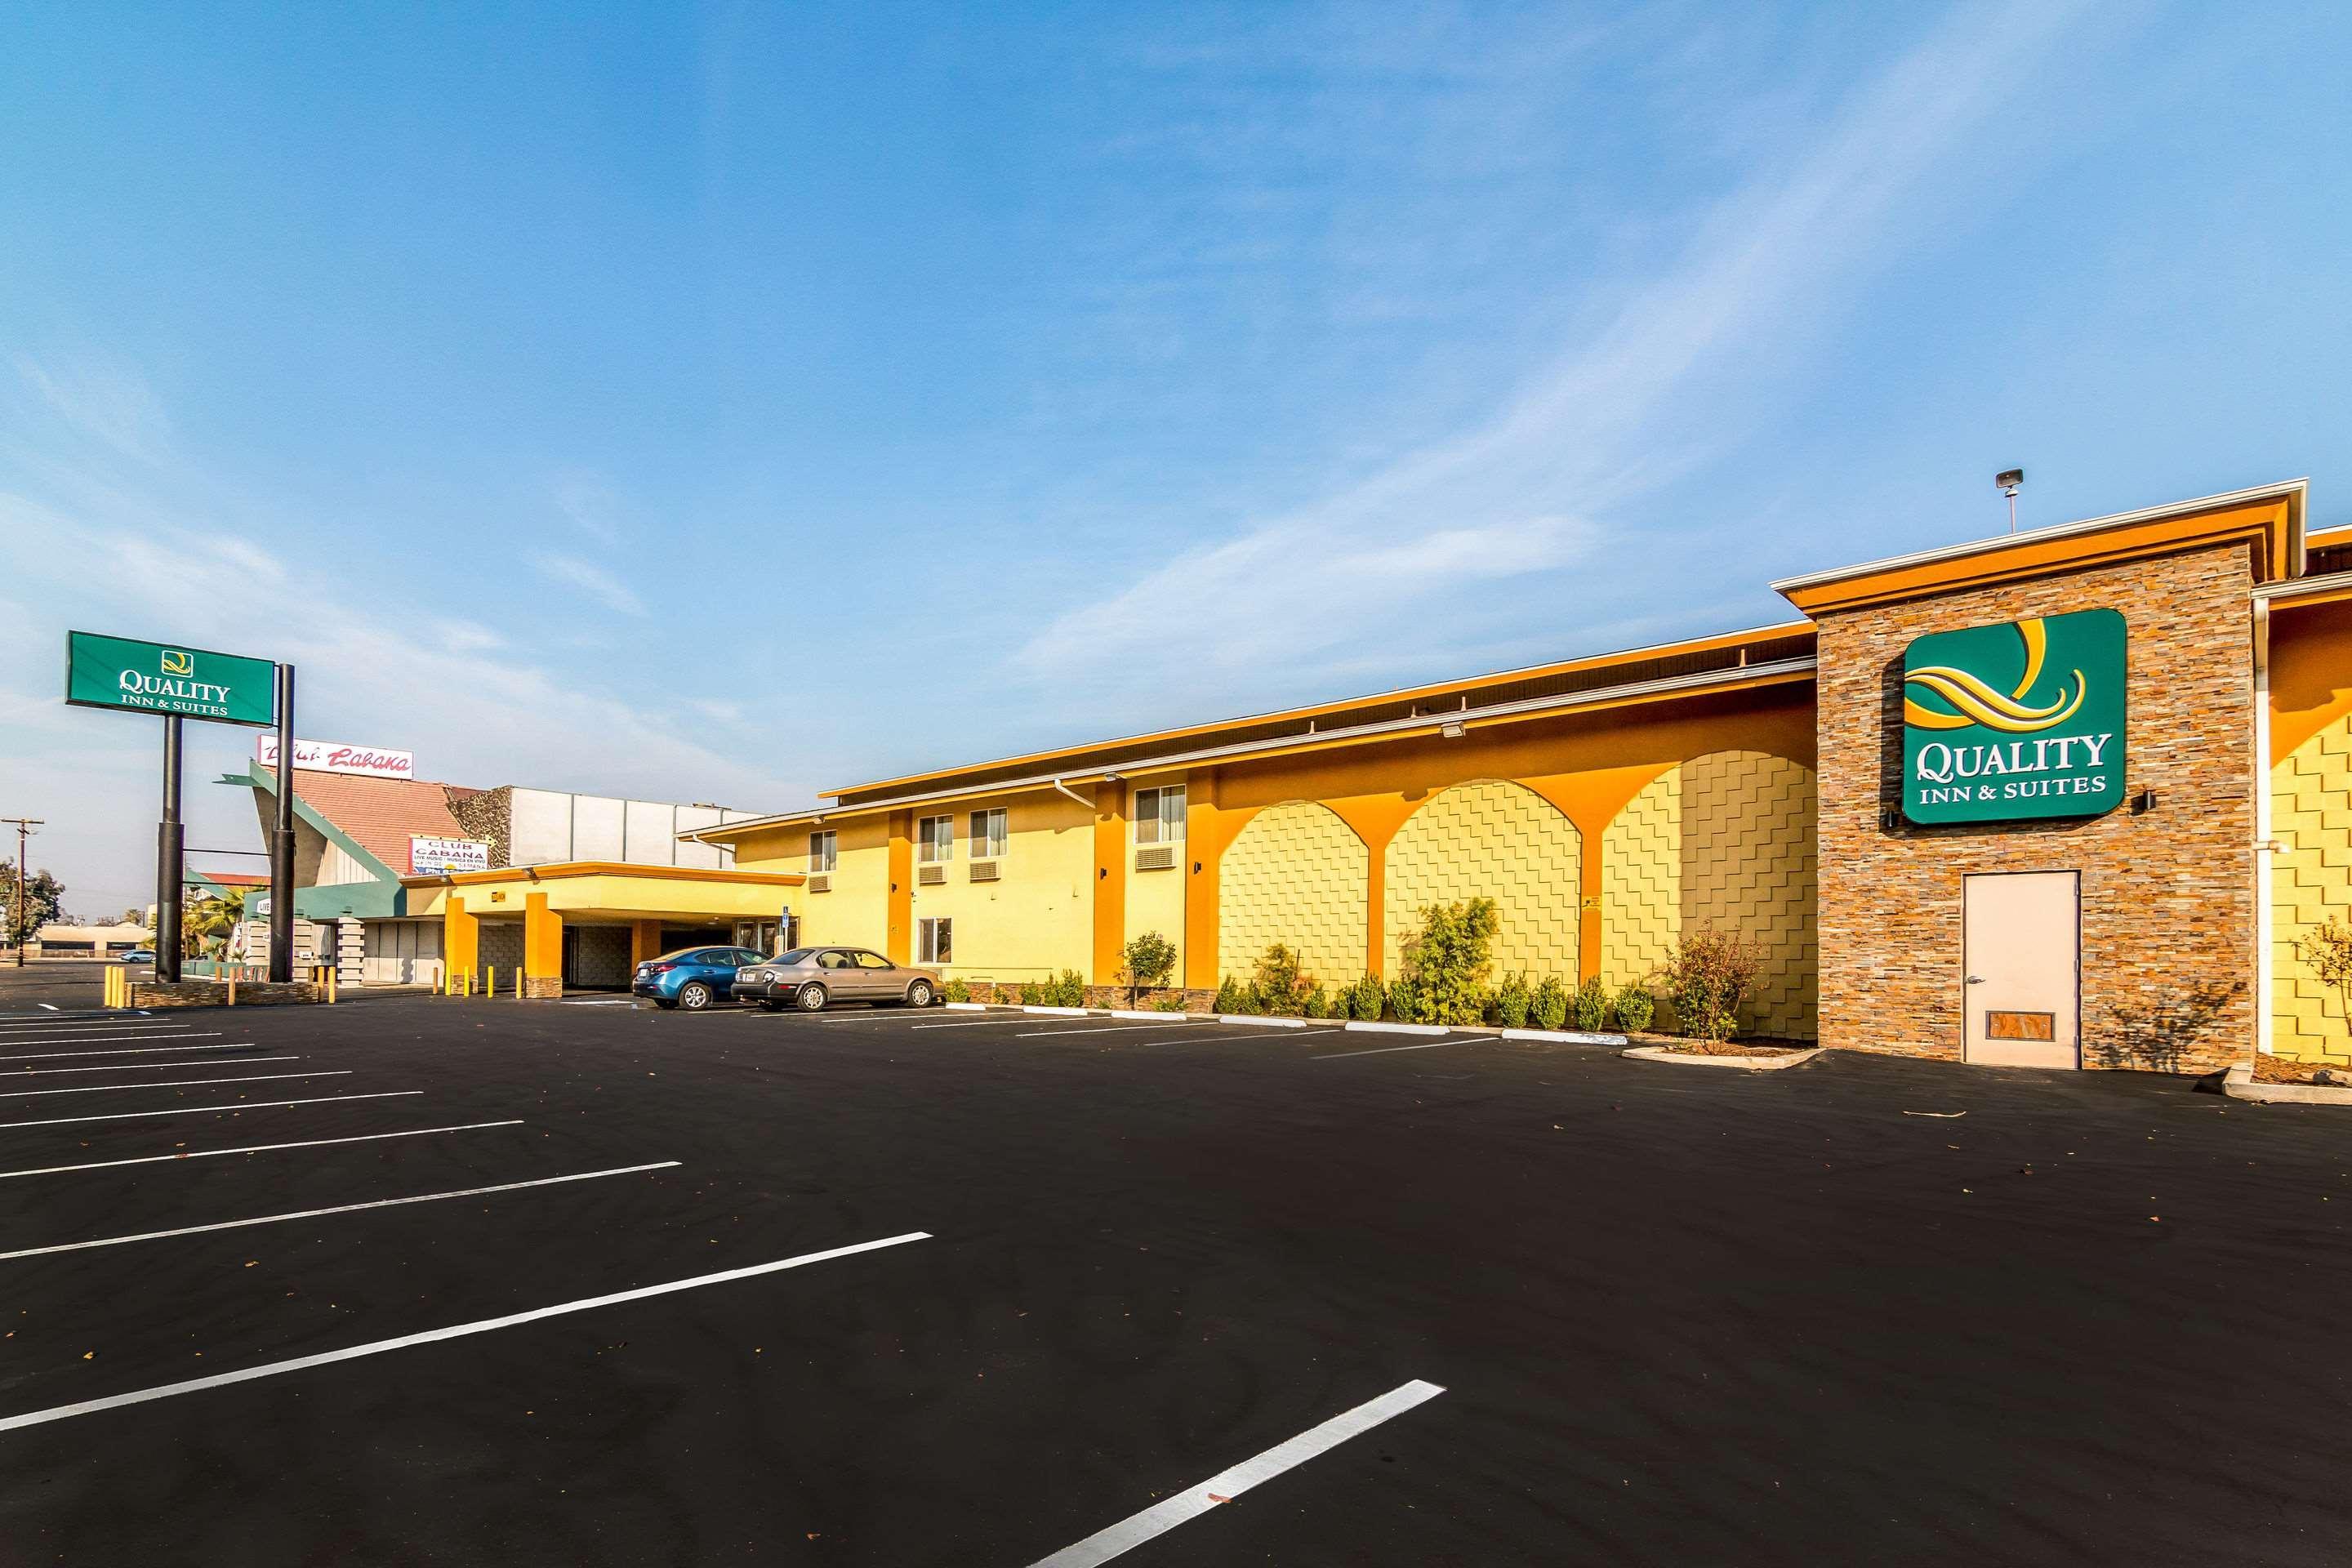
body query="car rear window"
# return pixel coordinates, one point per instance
(797, 956)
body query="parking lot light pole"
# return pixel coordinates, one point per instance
(24, 826)
(171, 844)
(281, 842)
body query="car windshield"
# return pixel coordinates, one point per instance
(797, 956)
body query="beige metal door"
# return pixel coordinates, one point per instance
(2020, 998)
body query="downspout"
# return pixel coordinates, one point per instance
(1074, 794)
(2263, 848)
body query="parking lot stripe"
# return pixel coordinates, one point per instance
(1384, 1050)
(338, 1208)
(459, 1331)
(1106, 1029)
(975, 1023)
(163, 1043)
(197, 1110)
(125, 1051)
(1259, 1039)
(174, 1083)
(1226, 1485)
(256, 1149)
(135, 1067)
(138, 1031)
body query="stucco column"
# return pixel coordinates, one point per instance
(1206, 834)
(644, 940)
(461, 938)
(1110, 882)
(543, 948)
(899, 939)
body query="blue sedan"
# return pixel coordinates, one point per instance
(692, 978)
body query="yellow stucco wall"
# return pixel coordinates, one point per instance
(1155, 899)
(1493, 839)
(1295, 875)
(1726, 839)
(2311, 881)
(1036, 918)
(855, 911)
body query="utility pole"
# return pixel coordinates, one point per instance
(24, 826)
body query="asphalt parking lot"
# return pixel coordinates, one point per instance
(1110, 1268)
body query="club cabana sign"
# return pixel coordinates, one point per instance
(2021, 720)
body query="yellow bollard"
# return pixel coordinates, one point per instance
(490, 987)
(518, 984)
(232, 987)
(330, 987)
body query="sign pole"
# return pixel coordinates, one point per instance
(281, 842)
(171, 846)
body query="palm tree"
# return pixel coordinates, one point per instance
(211, 922)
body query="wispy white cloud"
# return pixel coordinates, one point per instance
(594, 581)
(1530, 489)
(591, 504)
(100, 398)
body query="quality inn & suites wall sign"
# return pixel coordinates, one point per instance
(2021, 720)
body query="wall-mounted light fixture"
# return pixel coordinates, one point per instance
(2145, 801)
(1890, 821)
(1452, 731)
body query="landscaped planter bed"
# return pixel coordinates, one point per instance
(1760, 1055)
(2274, 1080)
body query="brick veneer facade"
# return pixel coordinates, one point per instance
(2167, 944)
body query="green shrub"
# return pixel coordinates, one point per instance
(1591, 1005)
(1548, 1005)
(1233, 999)
(1150, 960)
(1404, 999)
(1364, 999)
(1168, 1002)
(1315, 1005)
(1447, 960)
(1279, 983)
(1636, 1007)
(1033, 994)
(1070, 990)
(959, 991)
(1708, 975)
(1513, 1002)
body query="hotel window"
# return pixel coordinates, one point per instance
(935, 839)
(988, 834)
(824, 851)
(1159, 815)
(934, 940)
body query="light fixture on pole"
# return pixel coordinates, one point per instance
(2011, 481)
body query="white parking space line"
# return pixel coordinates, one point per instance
(976, 1024)
(174, 1083)
(133, 1067)
(1226, 1485)
(255, 1149)
(163, 1043)
(124, 1051)
(459, 1331)
(136, 1031)
(1260, 1038)
(200, 1110)
(338, 1208)
(602, 1001)
(1384, 1050)
(1105, 1029)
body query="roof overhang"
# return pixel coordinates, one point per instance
(564, 870)
(1705, 682)
(2269, 519)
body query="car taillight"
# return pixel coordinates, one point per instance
(659, 968)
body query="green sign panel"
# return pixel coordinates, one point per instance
(2021, 720)
(164, 678)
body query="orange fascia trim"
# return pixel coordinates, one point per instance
(1401, 694)
(2269, 525)
(563, 868)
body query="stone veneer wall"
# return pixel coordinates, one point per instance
(2167, 896)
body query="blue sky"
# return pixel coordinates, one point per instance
(719, 402)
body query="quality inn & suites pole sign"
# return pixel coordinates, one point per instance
(2015, 720)
(162, 678)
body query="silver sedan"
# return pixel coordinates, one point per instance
(813, 978)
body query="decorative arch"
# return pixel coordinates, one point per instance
(2311, 882)
(1726, 841)
(1493, 839)
(1295, 875)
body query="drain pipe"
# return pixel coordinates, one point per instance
(1074, 794)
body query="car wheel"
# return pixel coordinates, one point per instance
(919, 994)
(694, 997)
(811, 998)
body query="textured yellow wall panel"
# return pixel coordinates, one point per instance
(1492, 839)
(1298, 875)
(1727, 841)
(2311, 812)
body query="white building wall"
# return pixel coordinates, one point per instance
(652, 830)
(596, 828)
(541, 828)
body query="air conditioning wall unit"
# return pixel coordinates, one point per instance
(985, 871)
(1156, 857)
(930, 876)
(820, 882)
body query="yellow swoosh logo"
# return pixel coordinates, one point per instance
(1978, 703)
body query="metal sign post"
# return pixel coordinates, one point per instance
(281, 842)
(171, 849)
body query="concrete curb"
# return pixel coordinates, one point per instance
(1261, 1023)
(967, 1006)
(1358, 1026)
(1059, 1011)
(1565, 1036)
(2239, 1085)
(1743, 1064)
(1150, 1014)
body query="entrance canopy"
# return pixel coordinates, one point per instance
(609, 891)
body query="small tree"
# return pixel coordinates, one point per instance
(1150, 962)
(1447, 962)
(1709, 974)
(1280, 983)
(2327, 952)
(45, 899)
